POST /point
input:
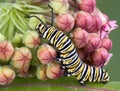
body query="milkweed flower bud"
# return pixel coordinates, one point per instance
(99, 57)
(83, 20)
(7, 75)
(80, 37)
(82, 54)
(108, 27)
(59, 6)
(17, 40)
(54, 70)
(31, 39)
(106, 43)
(87, 5)
(46, 53)
(6, 50)
(41, 72)
(65, 22)
(21, 60)
(94, 42)
(96, 26)
(106, 17)
(33, 21)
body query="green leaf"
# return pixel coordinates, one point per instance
(113, 86)
(62, 84)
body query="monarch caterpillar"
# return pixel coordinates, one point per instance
(68, 56)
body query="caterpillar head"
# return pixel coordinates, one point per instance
(41, 28)
(105, 77)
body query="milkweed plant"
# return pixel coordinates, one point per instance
(21, 48)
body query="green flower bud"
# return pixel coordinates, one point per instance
(59, 6)
(33, 22)
(17, 40)
(41, 72)
(31, 39)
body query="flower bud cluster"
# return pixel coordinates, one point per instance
(24, 52)
(89, 30)
(50, 68)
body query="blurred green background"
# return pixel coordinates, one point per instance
(111, 8)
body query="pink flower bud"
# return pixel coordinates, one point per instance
(46, 53)
(6, 50)
(21, 60)
(96, 26)
(87, 5)
(82, 54)
(94, 42)
(7, 75)
(80, 37)
(106, 17)
(31, 39)
(54, 70)
(65, 22)
(88, 61)
(98, 13)
(99, 57)
(107, 28)
(41, 72)
(83, 20)
(106, 43)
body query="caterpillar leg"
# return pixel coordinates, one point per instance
(82, 83)
(105, 82)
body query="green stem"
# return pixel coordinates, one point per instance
(33, 7)
(5, 20)
(21, 19)
(11, 30)
(13, 18)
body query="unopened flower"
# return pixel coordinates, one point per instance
(17, 40)
(65, 22)
(96, 26)
(31, 39)
(106, 17)
(41, 72)
(98, 13)
(46, 53)
(94, 42)
(82, 54)
(33, 21)
(59, 6)
(87, 5)
(106, 43)
(99, 57)
(6, 50)
(107, 28)
(21, 60)
(2, 37)
(83, 20)
(80, 37)
(7, 75)
(54, 70)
